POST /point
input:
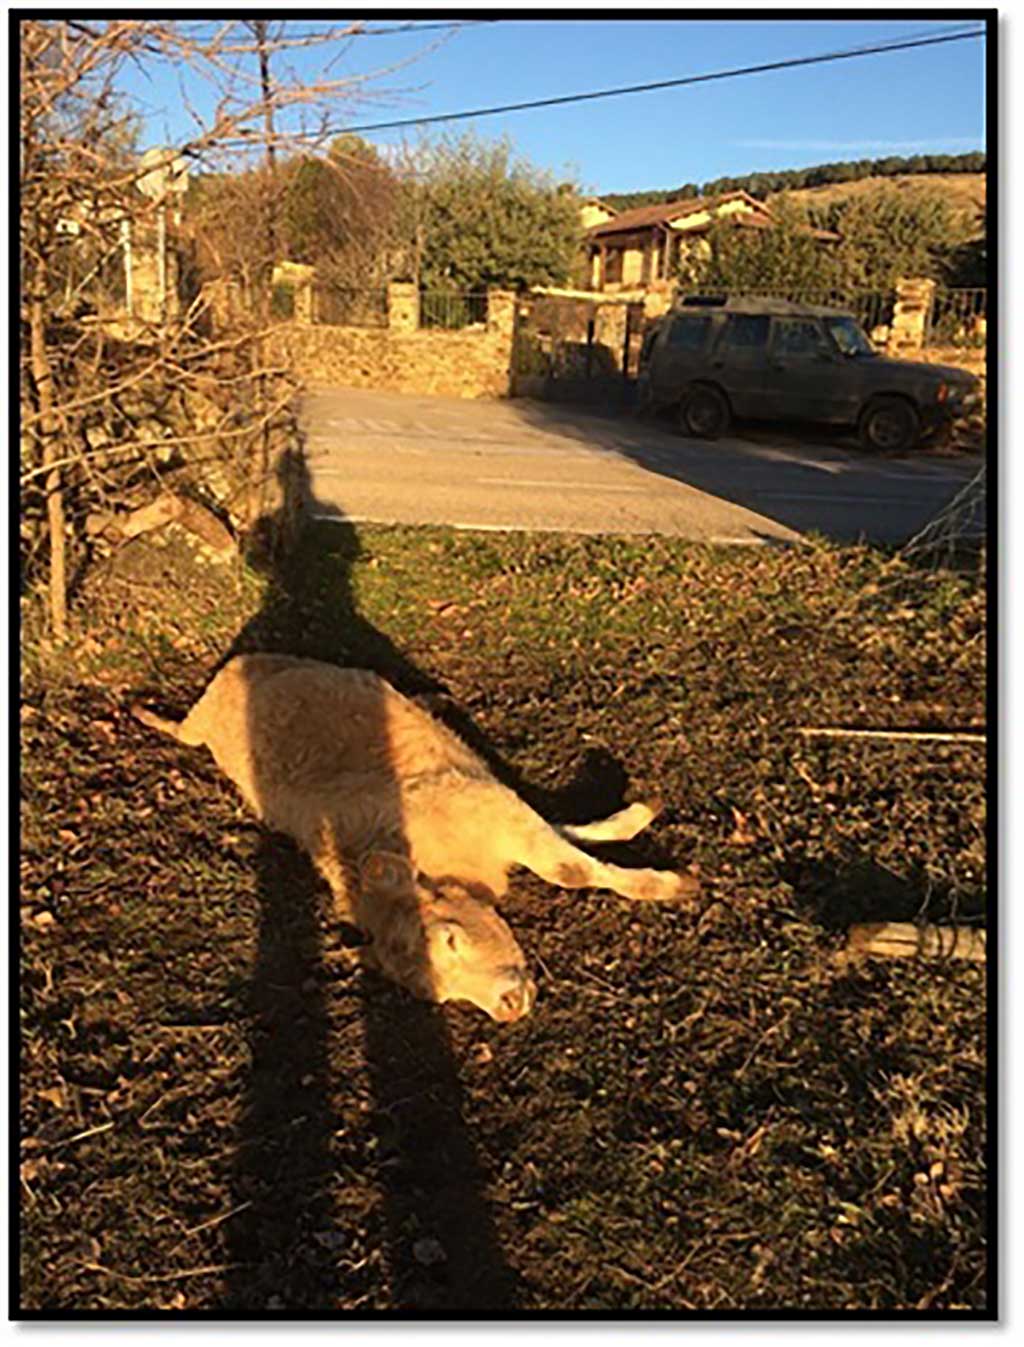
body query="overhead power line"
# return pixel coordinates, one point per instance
(789, 64)
(409, 29)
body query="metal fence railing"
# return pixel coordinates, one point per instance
(871, 308)
(340, 306)
(957, 318)
(452, 309)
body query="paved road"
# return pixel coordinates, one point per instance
(395, 458)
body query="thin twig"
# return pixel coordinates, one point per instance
(944, 736)
(79, 1136)
(207, 1271)
(217, 1220)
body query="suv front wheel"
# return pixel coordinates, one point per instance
(889, 425)
(704, 413)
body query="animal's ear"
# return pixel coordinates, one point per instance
(387, 872)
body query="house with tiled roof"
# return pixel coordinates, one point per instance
(594, 211)
(642, 248)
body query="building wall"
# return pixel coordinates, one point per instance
(703, 217)
(592, 214)
(632, 266)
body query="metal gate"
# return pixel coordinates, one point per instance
(569, 349)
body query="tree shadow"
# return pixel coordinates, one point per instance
(293, 1248)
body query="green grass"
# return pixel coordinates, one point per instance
(707, 1108)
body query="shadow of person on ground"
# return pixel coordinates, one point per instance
(428, 1241)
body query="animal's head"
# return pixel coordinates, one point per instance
(443, 943)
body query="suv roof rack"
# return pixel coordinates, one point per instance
(747, 303)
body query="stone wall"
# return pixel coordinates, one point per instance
(467, 364)
(473, 362)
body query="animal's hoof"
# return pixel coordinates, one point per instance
(689, 886)
(662, 886)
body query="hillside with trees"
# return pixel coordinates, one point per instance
(771, 182)
(884, 233)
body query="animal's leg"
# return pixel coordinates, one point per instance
(554, 858)
(187, 731)
(340, 878)
(618, 827)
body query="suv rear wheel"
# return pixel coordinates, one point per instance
(889, 425)
(704, 413)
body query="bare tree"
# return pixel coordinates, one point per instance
(92, 372)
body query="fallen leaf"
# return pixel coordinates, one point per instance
(55, 1095)
(742, 835)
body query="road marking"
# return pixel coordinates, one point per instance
(573, 486)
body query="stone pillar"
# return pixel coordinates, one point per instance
(403, 306)
(910, 315)
(154, 283)
(610, 330)
(501, 313)
(656, 303)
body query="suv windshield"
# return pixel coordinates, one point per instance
(848, 336)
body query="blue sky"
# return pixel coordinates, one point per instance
(920, 101)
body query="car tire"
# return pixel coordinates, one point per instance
(704, 413)
(889, 426)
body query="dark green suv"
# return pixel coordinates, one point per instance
(713, 358)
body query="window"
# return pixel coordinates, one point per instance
(848, 336)
(745, 332)
(799, 337)
(688, 334)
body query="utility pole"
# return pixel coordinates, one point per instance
(259, 30)
(261, 464)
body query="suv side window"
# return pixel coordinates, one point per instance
(689, 333)
(799, 337)
(745, 332)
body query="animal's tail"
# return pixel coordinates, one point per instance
(618, 827)
(155, 722)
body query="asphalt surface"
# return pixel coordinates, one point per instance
(520, 464)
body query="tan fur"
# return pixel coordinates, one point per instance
(350, 768)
